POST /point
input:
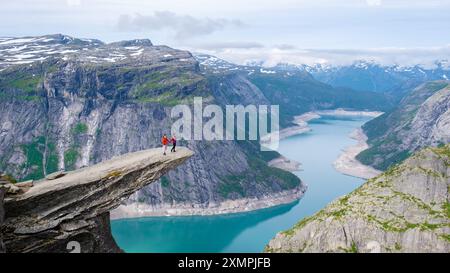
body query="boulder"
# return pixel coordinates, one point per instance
(55, 175)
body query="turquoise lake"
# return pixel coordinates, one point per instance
(251, 231)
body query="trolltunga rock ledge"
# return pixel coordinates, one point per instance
(75, 207)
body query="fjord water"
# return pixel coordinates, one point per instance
(251, 231)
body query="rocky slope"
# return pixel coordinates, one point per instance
(295, 89)
(72, 209)
(67, 103)
(406, 209)
(361, 75)
(371, 76)
(420, 120)
(298, 92)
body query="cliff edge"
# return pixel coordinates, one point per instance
(72, 209)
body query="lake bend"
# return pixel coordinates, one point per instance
(316, 150)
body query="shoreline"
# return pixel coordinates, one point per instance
(347, 163)
(285, 163)
(342, 112)
(140, 210)
(300, 127)
(301, 122)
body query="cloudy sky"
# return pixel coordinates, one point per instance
(298, 31)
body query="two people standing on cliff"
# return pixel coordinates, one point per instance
(165, 141)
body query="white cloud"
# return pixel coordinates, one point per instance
(275, 31)
(219, 46)
(373, 2)
(182, 26)
(271, 56)
(73, 3)
(285, 47)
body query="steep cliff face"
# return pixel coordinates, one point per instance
(234, 89)
(299, 92)
(421, 119)
(2, 216)
(71, 212)
(295, 89)
(89, 101)
(406, 209)
(74, 110)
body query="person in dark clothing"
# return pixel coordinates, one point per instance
(174, 143)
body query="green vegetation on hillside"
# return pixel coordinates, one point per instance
(368, 156)
(169, 87)
(403, 113)
(385, 133)
(384, 203)
(52, 158)
(259, 172)
(442, 150)
(72, 154)
(232, 184)
(8, 178)
(79, 128)
(70, 158)
(253, 148)
(165, 182)
(34, 153)
(301, 93)
(26, 82)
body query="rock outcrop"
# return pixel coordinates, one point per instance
(73, 210)
(420, 120)
(89, 101)
(406, 209)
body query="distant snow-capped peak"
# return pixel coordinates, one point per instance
(27, 50)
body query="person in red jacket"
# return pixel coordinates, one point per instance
(164, 141)
(173, 140)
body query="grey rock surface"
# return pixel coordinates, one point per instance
(89, 101)
(421, 119)
(405, 209)
(55, 175)
(75, 208)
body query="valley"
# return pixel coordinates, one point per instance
(69, 104)
(250, 231)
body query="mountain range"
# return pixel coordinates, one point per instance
(362, 75)
(67, 103)
(295, 89)
(371, 76)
